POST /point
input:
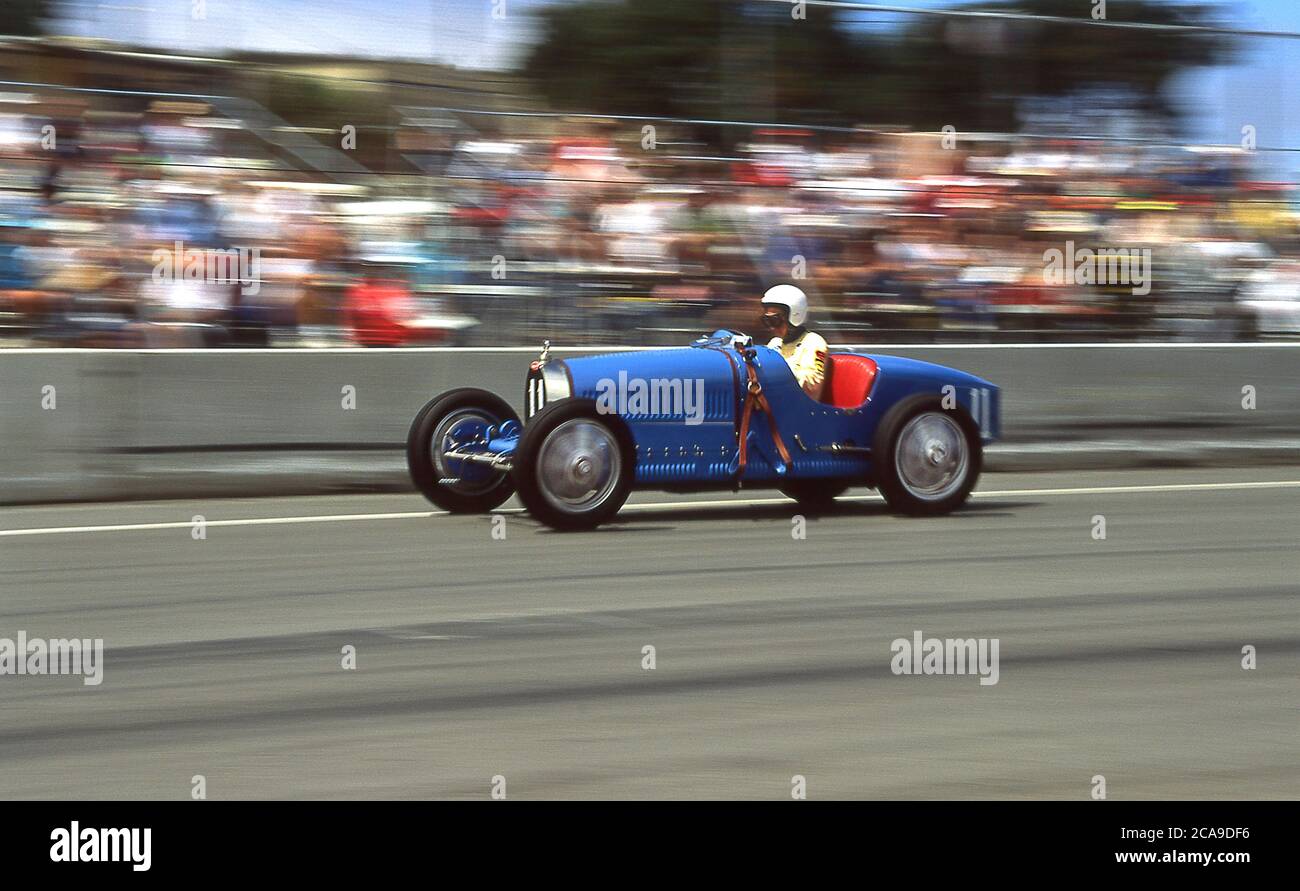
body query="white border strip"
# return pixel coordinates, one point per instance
(619, 348)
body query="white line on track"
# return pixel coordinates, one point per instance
(254, 521)
(651, 505)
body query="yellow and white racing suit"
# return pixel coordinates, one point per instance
(807, 357)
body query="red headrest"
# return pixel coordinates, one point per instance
(850, 381)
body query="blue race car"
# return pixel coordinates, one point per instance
(722, 413)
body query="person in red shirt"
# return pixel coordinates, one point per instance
(377, 307)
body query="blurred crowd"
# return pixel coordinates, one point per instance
(609, 232)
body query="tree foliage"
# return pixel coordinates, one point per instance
(23, 18)
(974, 71)
(743, 59)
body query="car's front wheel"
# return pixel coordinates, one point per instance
(927, 458)
(453, 420)
(574, 466)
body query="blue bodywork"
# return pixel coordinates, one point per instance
(684, 442)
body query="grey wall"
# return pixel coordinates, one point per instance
(171, 423)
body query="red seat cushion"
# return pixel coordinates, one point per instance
(850, 380)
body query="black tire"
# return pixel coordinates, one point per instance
(543, 493)
(420, 461)
(814, 495)
(904, 495)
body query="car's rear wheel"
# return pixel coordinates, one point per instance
(927, 458)
(574, 466)
(454, 419)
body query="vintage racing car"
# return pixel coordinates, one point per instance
(722, 413)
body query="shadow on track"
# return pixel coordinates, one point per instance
(647, 518)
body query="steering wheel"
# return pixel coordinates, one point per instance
(725, 338)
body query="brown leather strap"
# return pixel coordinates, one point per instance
(754, 398)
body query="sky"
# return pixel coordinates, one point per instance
(461, 32)
(1219, 101)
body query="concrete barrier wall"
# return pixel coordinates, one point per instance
(155, 424)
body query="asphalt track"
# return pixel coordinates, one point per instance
(522, 657)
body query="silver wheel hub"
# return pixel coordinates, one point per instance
(579, 466)
(935, 452)
(447, 435)
(931, 456)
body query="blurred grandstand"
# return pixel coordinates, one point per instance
(401, 203)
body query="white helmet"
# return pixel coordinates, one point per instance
(792, 299)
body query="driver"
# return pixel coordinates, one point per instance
(785, 310)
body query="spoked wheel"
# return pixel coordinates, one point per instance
(927, 458)
(454, 419)
(574, 466)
